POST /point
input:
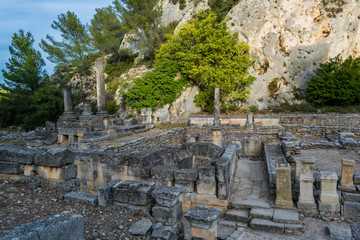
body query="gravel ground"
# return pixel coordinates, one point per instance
(19, 204)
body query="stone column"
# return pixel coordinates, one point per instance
(87, 108)
(146, 115)
(347, 173)
(203, 222)
(283, 186)
(100, 86)
(68, 108)
(329, 205)
(217, 107)
(168, 212)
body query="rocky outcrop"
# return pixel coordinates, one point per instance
(289, 39)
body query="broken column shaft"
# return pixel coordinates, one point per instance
(68, 108)
(100, 87)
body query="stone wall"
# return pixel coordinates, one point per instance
(171, 137)
(344, 120)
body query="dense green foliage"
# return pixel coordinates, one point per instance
(157, 87)
(221, 7)
(182, 3)
(210, 56)
(336, 82)
(29, 99)
(69, 53)
(106, 30)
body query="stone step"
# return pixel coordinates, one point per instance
(265, 225)
(293, 229)
(81, 197)
(226, 223)
(249, 204)
(286, 216)
(264, 213)
(237, 215)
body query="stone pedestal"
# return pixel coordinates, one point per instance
(168, 212)
(304, 166)
(217, 136)
(283, 186)
(146, 115)
(203, 222)
(249, 120)
(100, 86)
(87, 108)
(347, 173)
(217, 107)
(328, 185)
(306, 189)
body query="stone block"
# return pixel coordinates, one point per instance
(159, 183)
(339, 233)
(202, 217)
(209, 200)
(283, 186)
(206, 187)
(17, 154)
(133, 192)
(55, 157)
(34, 143)
(347, 172)
(62, 226)
(237, 215)
(139, 171)
(81, 197)
(286, 216)
(69, 172)
(264, 213)
(329, 209)
(167, 215)
(347, 189)
(265, 225)
(293, 228)
(141, 227)
(223, 190)
(51, 139)
(167, 196)
(356, 179)
(105, 198)
(186, 174)
(72, 185)
(207, 173)
(165, 173)
(249, 204)
(306, 189)
(355, 230)
(352, 210)
(133, 209)
(11, 168)
(203, 234)
(351, 197)
(163, 232)
(189, 186)
(328, 186)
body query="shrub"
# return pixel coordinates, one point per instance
(156, 88)
(336, 82)
(112, 107)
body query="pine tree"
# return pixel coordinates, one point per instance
(106, 30)
(71, 52)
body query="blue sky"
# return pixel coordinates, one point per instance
(36, 16)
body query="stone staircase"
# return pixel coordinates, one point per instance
(260, 216)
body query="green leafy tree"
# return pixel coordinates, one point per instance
(210, 56)
(71, 52)
(106, 29)
(24, 83)
(222, 7)
(142, 18)
(336, 82)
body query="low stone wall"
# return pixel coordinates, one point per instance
(346, 120)
(235, 120)
(171, 137)
(62, 226)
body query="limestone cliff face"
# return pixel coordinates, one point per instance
(289, 39)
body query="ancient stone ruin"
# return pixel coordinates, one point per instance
(265, 173)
